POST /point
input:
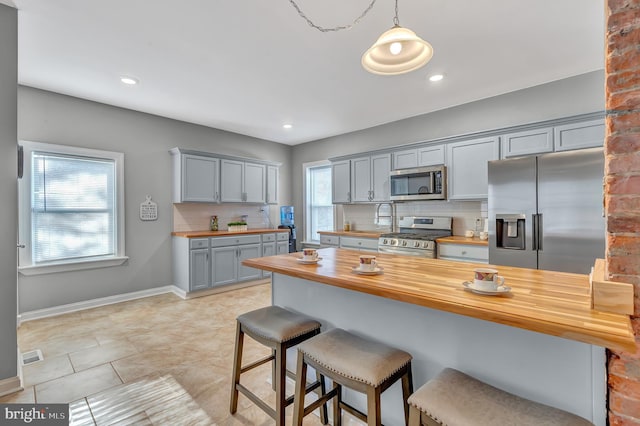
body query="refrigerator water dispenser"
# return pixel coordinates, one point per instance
(510, 231)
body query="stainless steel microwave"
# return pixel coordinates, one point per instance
(420, 183)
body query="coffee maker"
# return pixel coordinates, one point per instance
(286, 222)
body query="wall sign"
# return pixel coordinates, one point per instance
(148, 210)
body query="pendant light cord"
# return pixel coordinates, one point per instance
(341, 27)
(396, 21)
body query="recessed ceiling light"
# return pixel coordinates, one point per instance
(287, 126)
(436, 77)
(129, 80)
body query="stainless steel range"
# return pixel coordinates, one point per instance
(417, 236)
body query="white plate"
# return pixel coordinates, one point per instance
(377, 271)
(500, 290)
(308, 262)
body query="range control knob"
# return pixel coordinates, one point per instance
(384, 241)
(404, 243)
(425, 244)
(416, 244)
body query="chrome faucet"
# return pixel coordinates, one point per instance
(391, 214)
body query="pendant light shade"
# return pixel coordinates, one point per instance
(397, 51)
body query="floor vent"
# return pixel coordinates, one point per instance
(31, 357)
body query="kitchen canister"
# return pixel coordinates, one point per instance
(214, 223)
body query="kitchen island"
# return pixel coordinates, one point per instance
(542, 341)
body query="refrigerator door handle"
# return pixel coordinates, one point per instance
(536, 240)
(534, 232)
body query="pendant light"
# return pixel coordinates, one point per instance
(397, 51)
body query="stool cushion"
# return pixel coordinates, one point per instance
(454, 398)
(354, 357)
(277, 324)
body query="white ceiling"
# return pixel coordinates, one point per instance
(248, 66)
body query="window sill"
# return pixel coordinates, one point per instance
(53, 268)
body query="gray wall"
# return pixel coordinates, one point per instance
(8, 190)
(576, 95)
(145, 140)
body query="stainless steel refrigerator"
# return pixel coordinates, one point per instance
(546, 211)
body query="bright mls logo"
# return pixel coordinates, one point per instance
(36, 414)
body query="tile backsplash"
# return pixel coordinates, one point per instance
(464, 213)
(195, 216)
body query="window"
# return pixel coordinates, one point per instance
(319, 211)
(71, 208)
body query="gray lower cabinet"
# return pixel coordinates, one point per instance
(268, 249)
(199, 264)
(463, 253)
(361, 244)
(227, 254)
(282, 247)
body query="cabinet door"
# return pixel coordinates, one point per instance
(268, 249)
(254, 183)
(198, 269)
(224, 261)
(405, 159)
(231, 181)
(283, 247)
(341, 182)
(468, 165)
(361, 179)
(199, 180)
(431, 155)
(589, 134)
(272, 185)
(247, 252)
(527, 142)
(380, 168)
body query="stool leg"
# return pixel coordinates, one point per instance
(373, 407)
(273, 370)
(237, 366)
(414, 416)
(298, 400)
(281, 376)
(407, 390)
(337, 409)
(324, 419)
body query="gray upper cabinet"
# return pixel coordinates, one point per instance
(370, 178)
(468, 167)
(361, 179)
(405, 159)
(588, 134)
(272, 185)
(255, 183)
(196, 179)
(527, 142)
(429, 155)
(340, 182)
(380, 168)
(242, 182)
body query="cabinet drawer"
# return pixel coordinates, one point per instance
(359, 243)
(198, 243)
(463, 251)
(282, 236)
(330, 240)
(232, 241)
(268, 238)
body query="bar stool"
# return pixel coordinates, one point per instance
(359, 364)
(278, 329)
(454, 398)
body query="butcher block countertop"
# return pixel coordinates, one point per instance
(357, 234)
(203, 234)
(554, 303)
(455, 239)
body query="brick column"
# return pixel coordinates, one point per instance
(622, 192)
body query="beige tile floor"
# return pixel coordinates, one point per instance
(170, 359)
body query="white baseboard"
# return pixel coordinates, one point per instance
(94, 303)
(10, 385)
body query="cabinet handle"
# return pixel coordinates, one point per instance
(349, 196)
(217, 196)
(464, 252)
